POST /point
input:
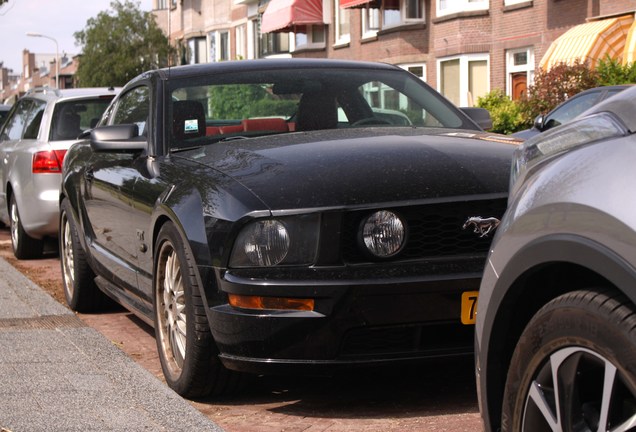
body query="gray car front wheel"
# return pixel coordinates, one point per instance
(574, 368)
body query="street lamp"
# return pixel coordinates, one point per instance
(57, 56)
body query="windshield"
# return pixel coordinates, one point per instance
(224, 106)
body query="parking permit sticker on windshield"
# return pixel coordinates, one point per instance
(191, 126)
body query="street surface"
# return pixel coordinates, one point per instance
(433, 396)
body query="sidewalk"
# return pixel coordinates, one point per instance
(57, 374)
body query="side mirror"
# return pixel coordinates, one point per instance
(481, 116)
(117, 138)
(538, 122)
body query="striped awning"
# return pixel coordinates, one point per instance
(284, 15)
(629, 54)
(589, 42)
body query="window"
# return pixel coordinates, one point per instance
(446, 7)
(133, 108)
(15, 124)
(391, 13)
(519, 71)
(198, 51)
(419, 70)
(271, 43)
(463, 79)
(370, 21)
(511, 2)
(342, 25)
(162, 4)
(240, 40)
(311, 36)
(219, 45)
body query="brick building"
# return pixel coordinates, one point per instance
(464, 48)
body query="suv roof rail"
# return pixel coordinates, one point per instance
(44, 90)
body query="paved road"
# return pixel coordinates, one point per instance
(434, 396)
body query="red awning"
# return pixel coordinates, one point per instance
(346, 4)
(283, 15)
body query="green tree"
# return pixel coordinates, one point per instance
(120, 44)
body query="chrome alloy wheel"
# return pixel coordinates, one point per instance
(579, 389)
(68, 258)
(171, 307)
(15, 225)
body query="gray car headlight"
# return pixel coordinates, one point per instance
(289, 240)
(383, 234)
(555, 141)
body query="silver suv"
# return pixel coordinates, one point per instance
(556, 318)
(39, 129)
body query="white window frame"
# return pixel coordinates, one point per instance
(409, 66)
(368, 32)
(512, 2)
(511, 68)
(295, 44)
(240, 42)
(403, 19)
(464, 61)
(341, 39)
(215, 42)
(447, 7)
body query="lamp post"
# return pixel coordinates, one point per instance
(57, 56)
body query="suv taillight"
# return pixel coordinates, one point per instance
(46, 162)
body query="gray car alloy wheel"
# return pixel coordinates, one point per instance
(171, 308)
(67, 256)
(559, 397)
(574, 367)
(24, 246)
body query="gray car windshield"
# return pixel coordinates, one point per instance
(223, 106)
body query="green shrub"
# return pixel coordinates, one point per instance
(505, 113)
(613, 72)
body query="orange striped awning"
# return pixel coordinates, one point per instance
(629, 54)
(589, 42)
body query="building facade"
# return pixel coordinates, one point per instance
(463, 48)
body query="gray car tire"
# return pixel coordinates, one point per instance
(574, 367)
(24, 246)
(188, 353)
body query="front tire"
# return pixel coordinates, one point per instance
(80, 290)
(574, 367)
(188, 353)
(24, 246)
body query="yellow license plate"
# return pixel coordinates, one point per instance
(469, 307)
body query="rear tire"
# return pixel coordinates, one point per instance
(188, 353)
(82, 294)
(574, 367)
(24, 246)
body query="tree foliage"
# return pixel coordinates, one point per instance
(613, 72)
(554, 86)
(120, 44)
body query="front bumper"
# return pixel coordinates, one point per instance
(364, 315)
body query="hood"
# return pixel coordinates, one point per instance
(339, 168)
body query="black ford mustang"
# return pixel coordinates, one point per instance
(283, 215)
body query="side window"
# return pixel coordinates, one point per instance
(33, 120)
(133, 108)
(15, 124)
(571, 109)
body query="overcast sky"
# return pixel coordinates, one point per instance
(58, 19)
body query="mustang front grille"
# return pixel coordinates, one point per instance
(434, 231)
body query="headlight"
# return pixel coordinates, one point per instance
(283, 241)
(382, 234)
(576, 133)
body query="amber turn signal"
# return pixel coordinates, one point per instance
(281, 303)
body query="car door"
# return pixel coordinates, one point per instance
(110, 205)
(23, 123)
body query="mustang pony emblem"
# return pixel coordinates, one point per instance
(482, 226)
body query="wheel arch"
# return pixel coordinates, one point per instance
(543, 270)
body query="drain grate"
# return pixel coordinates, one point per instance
(46, 322)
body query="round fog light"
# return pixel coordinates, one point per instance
(383, 233)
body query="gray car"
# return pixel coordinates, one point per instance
(33, 141)
(556, 318)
